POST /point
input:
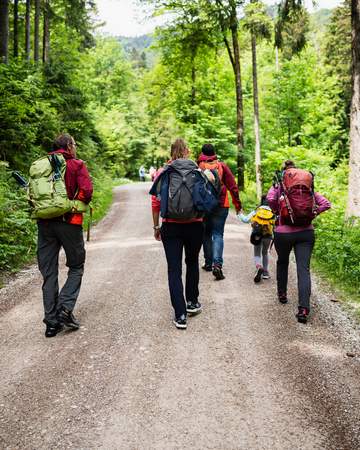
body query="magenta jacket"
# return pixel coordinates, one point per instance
(273, 196)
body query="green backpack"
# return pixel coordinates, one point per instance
(47, 191)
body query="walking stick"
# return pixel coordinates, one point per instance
(89, 225)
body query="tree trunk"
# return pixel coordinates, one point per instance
(36, 30)
(239, 102)
(46, 32)
(27, 29)
(256, 120)
(353, 206)
(16, 28)
(4, 30)
(277, 58)
(193, 86)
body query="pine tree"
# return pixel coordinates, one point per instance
(27, 29)
(4, 30)
(353, 206)
(16, 28)
(259, 25)
(46, 31)
(37, 30)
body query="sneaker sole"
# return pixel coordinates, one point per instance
(179, 326)
(266, 277)
(302, 319)
(283, 302)
(71, 326)
(258, 276)
(194, 311)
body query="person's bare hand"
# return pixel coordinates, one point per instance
(157, 235)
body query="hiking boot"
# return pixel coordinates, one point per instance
(282, 298)
(206, 267)
(266, 275)
(67, 319)
(52, 330)
(217, 272)
(193, 308)
(258, 274)
(180, 322)
(302, 315)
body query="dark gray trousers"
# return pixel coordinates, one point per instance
(52, 235)
(303, 243)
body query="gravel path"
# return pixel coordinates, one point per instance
(244, 375)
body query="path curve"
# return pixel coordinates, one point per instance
(244, 375)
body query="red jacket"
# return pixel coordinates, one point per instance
(228, 183)
(78, 184)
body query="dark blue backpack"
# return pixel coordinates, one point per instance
(205, 194)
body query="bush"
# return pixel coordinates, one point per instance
(17, 230)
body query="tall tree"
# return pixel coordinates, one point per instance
(27, 29)
(46, 31)
(225, 13)
(223, 17)
(37, 30)
(259, 25)
(353, 206)
(183, 41)
(291, 28)
(16, 28)
(338, 65)
(4, 30)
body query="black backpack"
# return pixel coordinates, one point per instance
(184, 191)
(182, 175)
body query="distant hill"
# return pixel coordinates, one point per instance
(139, 43)
(322, 17)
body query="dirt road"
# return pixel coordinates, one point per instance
(244, 375)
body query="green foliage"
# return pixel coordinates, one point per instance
(26, 115)
(291, 28)
(257, 21)
(17, 230)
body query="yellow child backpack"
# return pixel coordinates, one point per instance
(266, 218)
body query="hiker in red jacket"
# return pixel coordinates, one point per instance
(215, 223)
(64, 231)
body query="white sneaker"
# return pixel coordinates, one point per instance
(266, 275)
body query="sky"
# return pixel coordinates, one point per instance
(126, 18)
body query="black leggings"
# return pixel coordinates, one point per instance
(177, 237)
(303, 243)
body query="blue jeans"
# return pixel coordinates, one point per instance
(214, 237)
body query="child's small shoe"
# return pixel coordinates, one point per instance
(266, 275)
(258, 274)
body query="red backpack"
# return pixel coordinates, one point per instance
(297, 205)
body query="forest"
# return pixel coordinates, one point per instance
(263, 84)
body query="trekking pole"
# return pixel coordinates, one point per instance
(89, 225)
(283, 193)
(20, 179)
